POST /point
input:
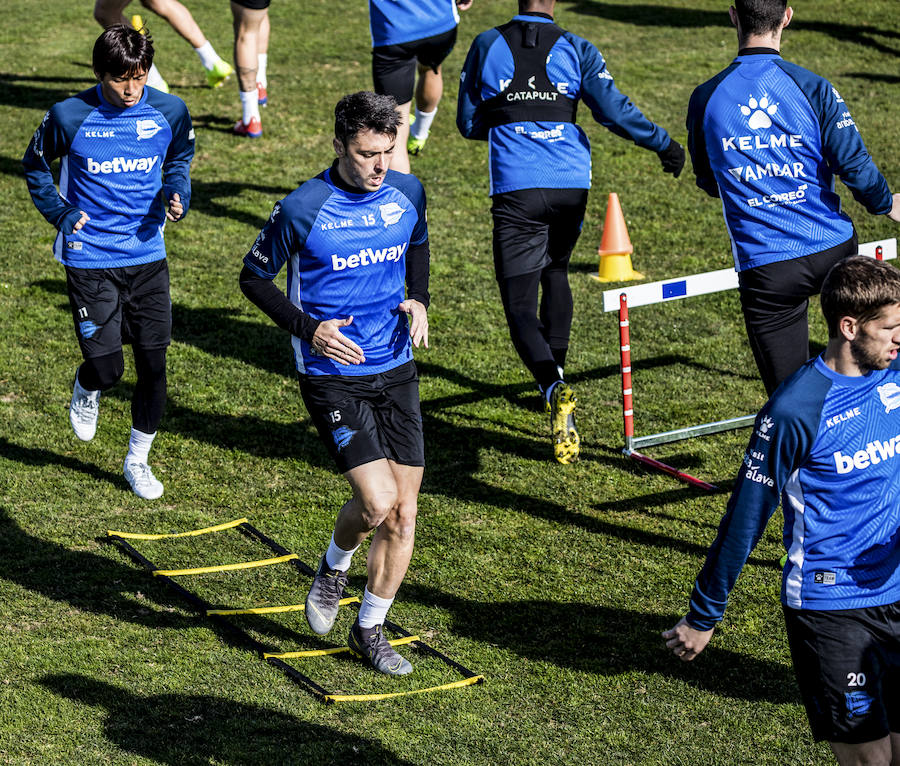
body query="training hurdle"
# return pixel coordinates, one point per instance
(272, 655)
(623, 298)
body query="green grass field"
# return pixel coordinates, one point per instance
(552, 581)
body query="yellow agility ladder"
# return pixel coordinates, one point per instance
(272, 655)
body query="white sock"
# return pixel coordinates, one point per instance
(249, 105)
(420, 128)
(154, 78)
(261, 60)
(338, 558)
(207, 54)
(139, 446)
(373, 609)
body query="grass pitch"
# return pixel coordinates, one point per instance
(554, 581)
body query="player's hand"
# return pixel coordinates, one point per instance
(79, 224)
(176, 209)
(329, 342)
(672, 158)
(894, 212)
(463, 5)
(686, 642)
(418, 323)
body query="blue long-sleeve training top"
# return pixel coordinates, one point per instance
(541, 154)
(120, 166)
(827, 447)
(768, 137)
(394, 22)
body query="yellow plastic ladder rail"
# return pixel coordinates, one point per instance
(224, 567)
(191, 533)
(376, 697)
(276, 609)
(336, 650)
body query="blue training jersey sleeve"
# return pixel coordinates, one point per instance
(51, 141)
(177, 163)
(783, 433)
(609, 106)
(842, 145)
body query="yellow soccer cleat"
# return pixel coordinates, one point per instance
(566, 443)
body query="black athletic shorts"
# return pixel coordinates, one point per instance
(847, 664)
(361, 418)
(128, 304)
(394, 66)
(534, 227)
(253, 5)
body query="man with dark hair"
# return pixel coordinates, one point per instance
(353, 237)
(410, 36)
(519, 90)
(768, 137)
(125, 153)
(826, 445)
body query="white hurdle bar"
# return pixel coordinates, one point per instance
(675, 289)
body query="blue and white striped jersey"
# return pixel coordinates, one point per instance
(826, 446)
(768, 137)
(120, 166)
(393, 22)
(346, 257)
(546, 155)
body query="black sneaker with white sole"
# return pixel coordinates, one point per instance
(370, 645)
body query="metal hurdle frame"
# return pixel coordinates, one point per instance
(623, 298)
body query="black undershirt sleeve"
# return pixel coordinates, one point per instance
(264, 293)
(418, 259)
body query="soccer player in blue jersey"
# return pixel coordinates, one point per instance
(355, 241)
(410, 36)
(827, 446)
(519, 90)
(768, 137)
(125, 152)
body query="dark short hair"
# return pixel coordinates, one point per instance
(858, 287)
(757, 17)
(121, 50)
(365, 111)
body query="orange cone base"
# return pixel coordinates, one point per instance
(616, 268)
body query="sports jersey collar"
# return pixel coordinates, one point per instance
(851, 381)
(759, 52)
(106, 103)
(542, 18)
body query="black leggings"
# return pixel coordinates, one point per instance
(535, 231)
(149, 400)
(775, 299)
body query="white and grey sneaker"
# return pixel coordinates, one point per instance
(324, 598)
(371, 646)
(142, 480)
(83, 410)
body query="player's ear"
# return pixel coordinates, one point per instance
(339, 149)
(848, 327)
(788, 15)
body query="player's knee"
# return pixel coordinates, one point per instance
(102, 372)
(379, 507)
(401, 523)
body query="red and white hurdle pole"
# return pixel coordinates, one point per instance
(628, 407)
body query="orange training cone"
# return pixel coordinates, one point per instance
(615, 247)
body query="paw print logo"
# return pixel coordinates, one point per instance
(758, 112)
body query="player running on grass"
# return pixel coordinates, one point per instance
(125, 154)
(353, 238)
(827, 446)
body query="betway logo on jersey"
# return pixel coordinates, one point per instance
(874, 453)
(122, 165)
(368, 257)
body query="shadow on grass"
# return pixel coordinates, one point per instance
(195, 730)
(210, 197)
(36, 92)
(650, 15)
(606, 641)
